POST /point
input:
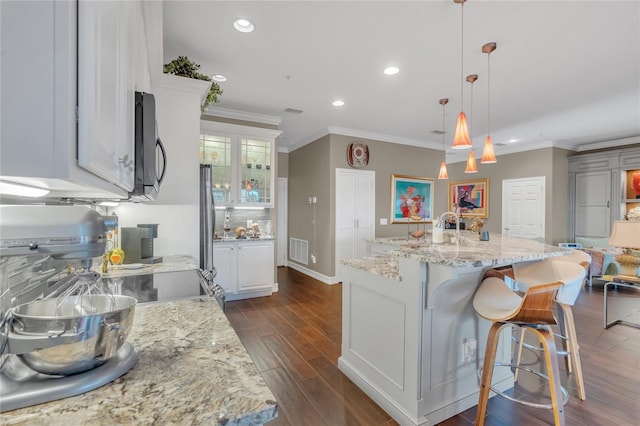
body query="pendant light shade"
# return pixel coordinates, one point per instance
(471, 159)
(488, 155)
(471, 163)
(461, 138)
(443, 171)
(443, 166)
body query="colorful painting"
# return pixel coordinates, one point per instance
(470, 198)
(411, 199)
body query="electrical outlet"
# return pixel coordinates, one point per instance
(315, 200)
(309, 201)
(313, 258)
(469, 347)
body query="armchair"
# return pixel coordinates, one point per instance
(603, 256)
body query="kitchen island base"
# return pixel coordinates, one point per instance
(413, 342)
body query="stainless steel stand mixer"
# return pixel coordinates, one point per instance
(66, 340)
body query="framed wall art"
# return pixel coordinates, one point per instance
(470, 198)
(411, 199)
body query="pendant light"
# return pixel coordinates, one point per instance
(471, 159)
(461, 138)
(488, 155)
(443, 166)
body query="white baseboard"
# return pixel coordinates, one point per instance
(313, 274)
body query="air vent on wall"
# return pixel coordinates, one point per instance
(299, 250)
(293, 110)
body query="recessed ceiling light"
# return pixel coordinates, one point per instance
(391, 70)
(243, 25)
(219, 78)
(338, 103)
(513, 140)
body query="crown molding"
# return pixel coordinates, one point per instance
(216, 111)
(608, 144)
(238, 129)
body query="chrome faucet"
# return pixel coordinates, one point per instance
(440, 223)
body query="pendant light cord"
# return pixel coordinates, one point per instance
(444, 152)
(489, 94)
(461, 56)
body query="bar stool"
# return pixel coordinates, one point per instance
(573, 276)
(496, 302)
(580, 257)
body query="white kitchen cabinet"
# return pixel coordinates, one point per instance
(245, 268)
(225, 260)
(112, 66)
(598, 190)
(241, 159)
(68, 64)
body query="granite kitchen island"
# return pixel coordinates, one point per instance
(410, 336)
(192, 369)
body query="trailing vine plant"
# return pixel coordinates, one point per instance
(184, 67)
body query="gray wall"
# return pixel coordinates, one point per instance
(312, 173)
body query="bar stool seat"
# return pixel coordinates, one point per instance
(580, 257)
(572, 274)
(498, 303)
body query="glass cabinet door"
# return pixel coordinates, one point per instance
(255, 171)
(216, 151)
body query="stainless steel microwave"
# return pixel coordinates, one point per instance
(150, 155)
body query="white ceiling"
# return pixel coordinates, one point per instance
(565, 73)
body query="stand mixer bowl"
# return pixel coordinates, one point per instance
(54, 338)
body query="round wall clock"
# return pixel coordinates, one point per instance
(358, 155)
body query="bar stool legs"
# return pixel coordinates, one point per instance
(570, 347)
(546, 338)
(574, 365)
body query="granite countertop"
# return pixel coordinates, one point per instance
(169, 264)
(386, 266)
(192, 369)
(471, 252)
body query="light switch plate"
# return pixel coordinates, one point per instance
(383, 221)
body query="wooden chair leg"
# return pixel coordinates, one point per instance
(487, 371)
(519, 355)
(563, 326)
(574, 350)
(545, 335)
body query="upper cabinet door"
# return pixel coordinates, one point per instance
(106, 85)
(256, 183)
(241, 159)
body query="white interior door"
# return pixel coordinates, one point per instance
(523, 207)
(355, 214)
(282, 221)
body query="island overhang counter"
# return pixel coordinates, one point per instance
(410, 336)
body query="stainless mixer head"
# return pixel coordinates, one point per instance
(63, 232)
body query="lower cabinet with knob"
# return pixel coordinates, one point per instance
(245, 268)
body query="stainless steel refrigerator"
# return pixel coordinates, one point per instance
(207, 220)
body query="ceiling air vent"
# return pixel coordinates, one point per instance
(438, 132)
(500, 144)
(294, 110)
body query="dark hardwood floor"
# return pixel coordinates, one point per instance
(294, 338)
